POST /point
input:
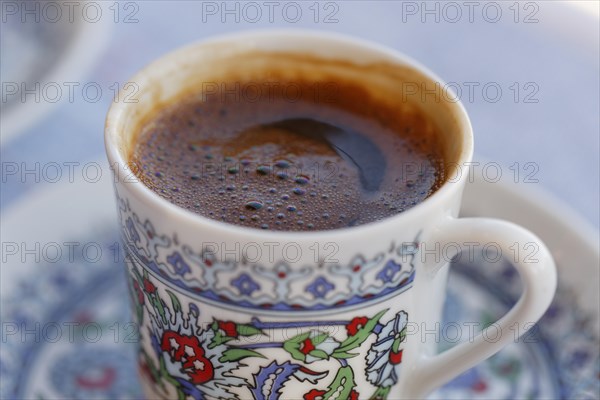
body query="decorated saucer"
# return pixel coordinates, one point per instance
(67, 329)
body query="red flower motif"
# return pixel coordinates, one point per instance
(314, 394)
(479, 386)
(354, 326)
(396, 358)
(138, 292)
(229, 328)
(104, 380)
(188, 351)
(307, 346)
(149, 286)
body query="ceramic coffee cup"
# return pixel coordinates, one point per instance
(232, 312)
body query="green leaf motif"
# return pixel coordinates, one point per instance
(311, 346)
(242, 330)
(381, 394)
(164, 373)
(319, 354)
(355, 341)
(292, 346)
(140, 314)
(174, 301)
(342, 385)
(343, 354)
(238, 354)
(139, 309)
(159, 307)
(248, 330)
(318, 339)
(218, 340)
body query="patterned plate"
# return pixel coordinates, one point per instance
(67, 331)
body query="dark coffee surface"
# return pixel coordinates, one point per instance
(326, 157)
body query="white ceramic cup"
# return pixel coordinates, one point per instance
(233, 312)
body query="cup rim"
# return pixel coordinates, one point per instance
(118, 110)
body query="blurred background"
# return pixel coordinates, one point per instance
(526, 71)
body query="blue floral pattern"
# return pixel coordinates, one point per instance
(245, 284)
(133, 233)
(385, 354)
(320, 287)
(389, 271)
(199, 273)
(566, 345)
(181, 267)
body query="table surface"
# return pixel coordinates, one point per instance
(528, 74)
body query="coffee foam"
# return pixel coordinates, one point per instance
(384, 82)
(342, 85)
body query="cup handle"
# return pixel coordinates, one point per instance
(539, 283)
